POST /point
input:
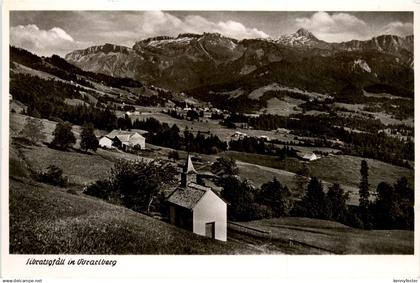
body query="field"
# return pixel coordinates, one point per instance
(386, 119)
(285, 107)
(257, 93)
(261, 174)
(343, 169)
(320, 236)
(383, 95)
(206, 126)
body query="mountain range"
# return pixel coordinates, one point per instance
(196, 61)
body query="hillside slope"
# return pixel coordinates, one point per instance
(48, 220)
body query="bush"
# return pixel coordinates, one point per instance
(53, 175)
(100, 189)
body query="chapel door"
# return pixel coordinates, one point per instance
(210, 230)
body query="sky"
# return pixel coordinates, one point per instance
(59, 32)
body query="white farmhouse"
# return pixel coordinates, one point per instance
(310, 157)
(127, 139)
(105, 142)
(198, 208)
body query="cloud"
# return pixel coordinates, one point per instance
(43, 42)
(134, 26)
(89, 28)
(335, 27)
(398, 28)
(229, 28)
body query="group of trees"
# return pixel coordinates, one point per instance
(261, 146)
(202, 144)
(64, 138)
(46, 99)
(392, 209)
(170, 136)
(318, 204)
(246, 201)
(190, 115)
(137, 184)
(153, 100)
(241, 104)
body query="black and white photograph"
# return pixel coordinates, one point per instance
(211, 132)
(200, 132)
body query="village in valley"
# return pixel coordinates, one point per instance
(272, 146)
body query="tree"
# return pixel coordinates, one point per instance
(276, 196)
(136, 184)
(384, 208)
(225, 166)
(364, 195)
(337, 202)
(301, 179)
(394, 206)
(33, 130)
(405, 200)
(63, 136)
(124, 122)
(88, 138)
(314, 202)
(240, 195)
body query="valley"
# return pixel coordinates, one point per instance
(293, 109)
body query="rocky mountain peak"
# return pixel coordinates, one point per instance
(301, 38)
(305, 33)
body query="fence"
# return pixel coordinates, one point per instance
(248, 230)
(268, 235)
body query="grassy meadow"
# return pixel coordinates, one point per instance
(335, 238)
